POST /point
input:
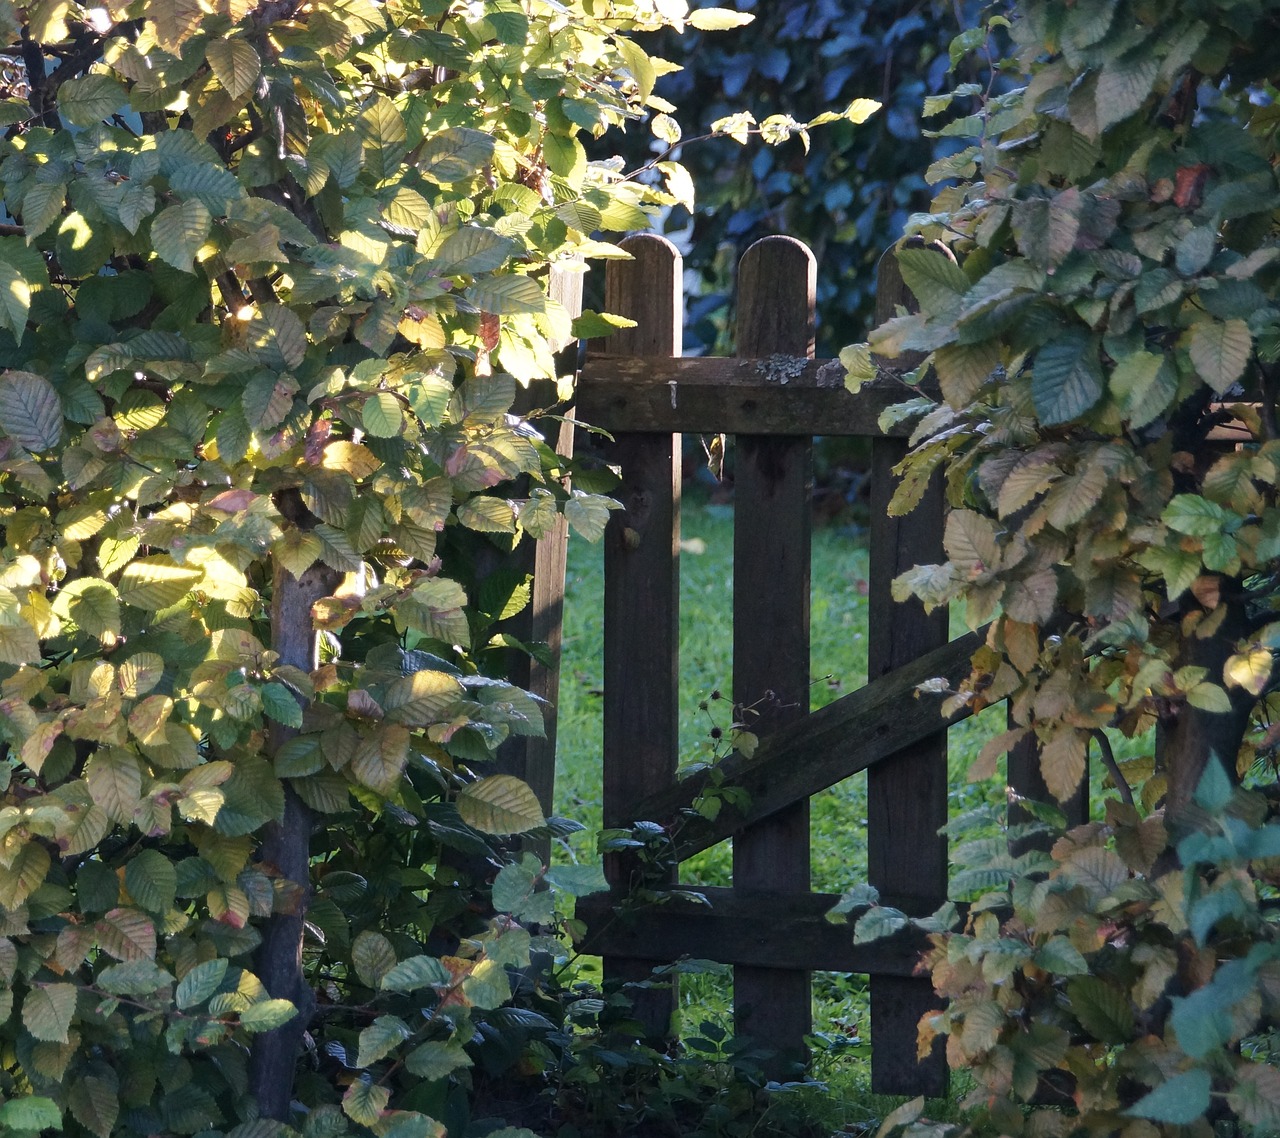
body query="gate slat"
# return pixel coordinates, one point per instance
(777, 279)
(907, 793)
(642, 588)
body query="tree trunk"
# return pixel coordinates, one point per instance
(285, 853)
(1189, 738)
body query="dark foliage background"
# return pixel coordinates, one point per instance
(850, 195)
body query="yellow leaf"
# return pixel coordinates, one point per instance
(1250, 670)
(351, 458)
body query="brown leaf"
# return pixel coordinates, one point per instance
(317, 436)
(360, 702)
(1021, 644)
(1189, 185)
(1207, 590)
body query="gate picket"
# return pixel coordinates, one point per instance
(773, 482)
(642, 588)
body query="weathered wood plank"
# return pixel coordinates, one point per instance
(856, 732)
(907, 795)
(780, 395)
(772, 523)
(642, 587)
(769, 931)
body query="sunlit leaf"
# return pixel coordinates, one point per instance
(500, 804)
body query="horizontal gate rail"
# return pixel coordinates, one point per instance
(779, 395)
(764, 930)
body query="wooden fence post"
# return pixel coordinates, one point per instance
(642, 587)
(772, 536)
(907, 794)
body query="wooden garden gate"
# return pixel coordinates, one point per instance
(773, 397)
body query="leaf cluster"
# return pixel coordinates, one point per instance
(1096, 284)
(272, 279)
(1113, 980)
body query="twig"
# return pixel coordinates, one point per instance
(1109, 761)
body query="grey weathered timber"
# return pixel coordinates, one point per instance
(779, 395)
(769, 931)
(856, 732)
(642, 587)
(773, 486)
(907, 795)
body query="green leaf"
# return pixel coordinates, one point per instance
(1059, 956)
(1197, 516)
(47, 1011)
(137, 202)
(436, 1060)
(455, 154)
(507, 295)
(487, 987)
(134, 978)
(42, 206)
(152, 881)
(15, 300)
(515, 884)
(1067, 379)
(381, 415)
(95, 1104)
(1214, 791)
(299, 757)
(1124, 84)
(588, 514)
(215, 187)
(267, 1015)
(1220, 350)
(421, 698)
(365, 1101)
(92, 604)
(30, 411)
(373, 957)
(487, 514)
(500, 804)
(30, 1112)
(280, 704)
(86, 101)
(593, 325)
(878, 921)
(936, 281)
(380, 1038)
(1182, 1100)
(235, 64)
(578, 880)
(200, 983)
(178, 232)
(415, 973)
(1103, 1011)
(473, 249)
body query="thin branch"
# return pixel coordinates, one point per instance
(1113, 768)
